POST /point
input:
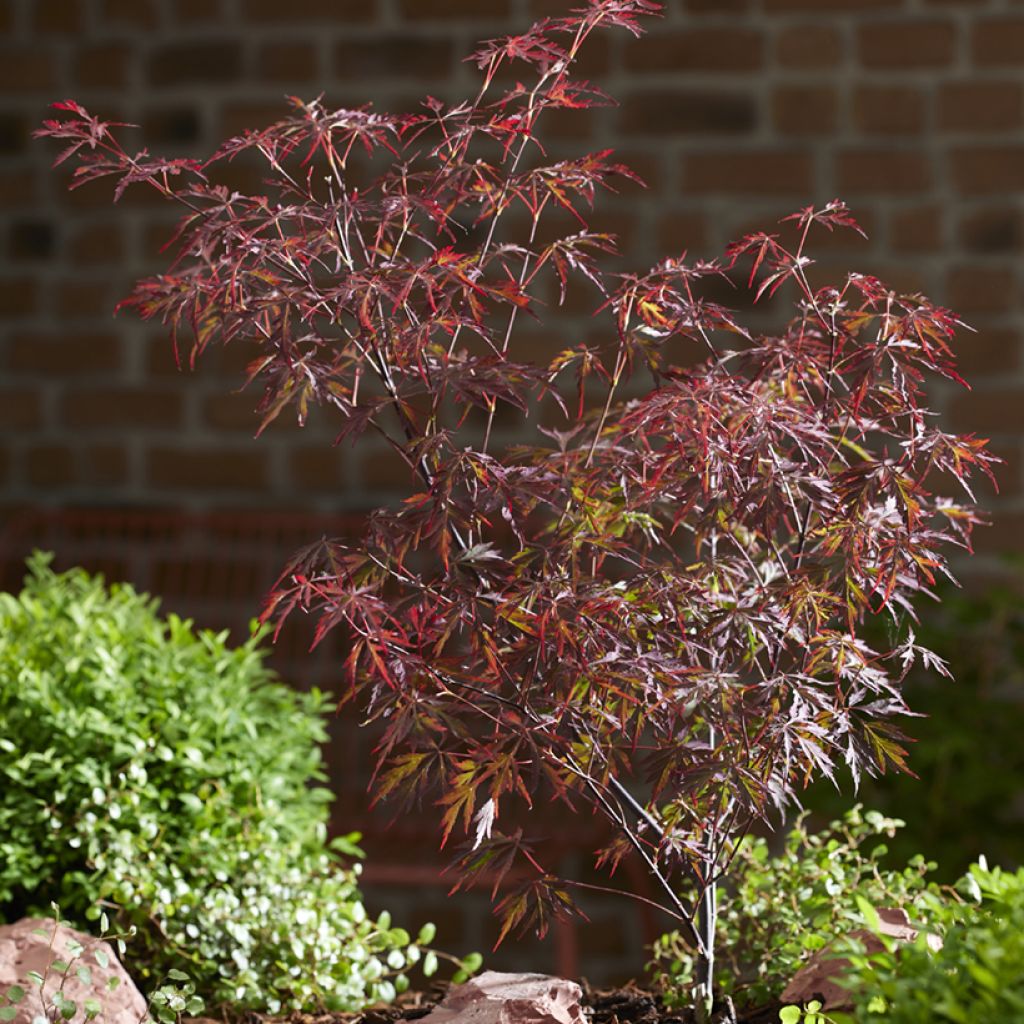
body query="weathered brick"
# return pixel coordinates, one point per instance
(337, 13)
(220, 469)
(63, 354)
(198, 12)
(916, 229)
(725, 50)
(982, 170)
(804, 109)
(995, 229)
(56, 465)
(171, 126)
(288, 61)
(809, 46)
(20, 409)
(14, 133)
(890, 110)
(84, 298)
(906, 45)
(990, 410)
(196, 63)
(394, 56)
(416, 10)
(679, 230)
(998, 42)
(882, 172)
(757, 172)
(130, 13)
(27, 69)
(17, 295)
(122, 407)
(17, 186)
(682, 112)
(987, 350)
(31, 239)
(105, 66)
(320, 470)
(59, 16)
(828, 6)
(97, 244)
(981, 289)
(979, 106)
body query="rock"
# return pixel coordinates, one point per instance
(497, 998)
(815, 980)
(24, 949)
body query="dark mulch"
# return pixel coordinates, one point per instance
(602, 1006)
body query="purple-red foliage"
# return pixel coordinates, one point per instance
(667, 591)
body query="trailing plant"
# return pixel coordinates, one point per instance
(653, 606)
(157, 772)
(785, 907)
(169, 1000)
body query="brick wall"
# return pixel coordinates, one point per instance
(735, 112)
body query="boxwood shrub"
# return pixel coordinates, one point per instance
(154, 770)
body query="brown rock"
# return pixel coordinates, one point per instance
(497, 998)
(816, 979)
(32, 945)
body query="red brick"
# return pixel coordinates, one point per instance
(62, 16)
(681, 230)
(981, 106)
(289, 61)
(55, 465)
(17, 186)
(1003, 535)
(669, 112)
(14, 133)
(988, 411)
(916, 229)
(889, 110)
(130, 13)
(821, 6)
(987, 350)
(809, 46)
(384, 470)
(992, 230)
(221, 469)
(416, 10)
(32, 240)
(336, 13)
(196, 63)
(25, 69)
(122, 407)
(17, 295)
(320, 470)
(980, 289)
(882, 172)
(757, 172)
(97, 244)
(804, 109)
(103, 67)
(84, 298)
(240, 117)
(906, 45)
(194, 12)
(713, 50)
(19, 410)
(65, 354)
(394, 56)
(983, 170)
(998, 42)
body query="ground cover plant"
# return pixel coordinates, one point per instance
(652, 607)
(157, 775)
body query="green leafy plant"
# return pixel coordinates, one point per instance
(160, 773)
(809, 1014)
(787, 906)
(969, 756)
(977, 975)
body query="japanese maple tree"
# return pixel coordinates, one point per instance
(654, 608)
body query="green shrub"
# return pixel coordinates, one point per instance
(780, 909)
(976, 977)
(969, 756)
(154, 769)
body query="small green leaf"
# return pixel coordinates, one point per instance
(790, 1015)
(426, 934)
(8, 1012)
(430, 964)
(15, 994)
(176, 975)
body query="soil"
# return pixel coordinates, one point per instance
(601, 1006)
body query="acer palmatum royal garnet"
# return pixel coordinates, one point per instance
(664, 595)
